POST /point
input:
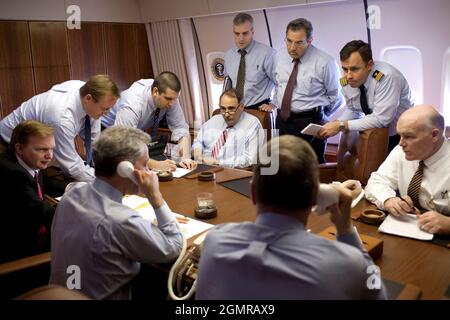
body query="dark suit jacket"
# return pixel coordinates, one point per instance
(22, 212)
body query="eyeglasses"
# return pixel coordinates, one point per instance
(296, 44)
(230, 110)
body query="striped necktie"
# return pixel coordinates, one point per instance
(414, 185)
(219, 143)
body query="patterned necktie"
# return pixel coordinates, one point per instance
(38, 185)
(219, 143)
(287, 97)
(363, 100)
(414, 185)
(241, 75)
(87, 140)
(155, 123)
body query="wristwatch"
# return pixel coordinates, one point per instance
(341, 126)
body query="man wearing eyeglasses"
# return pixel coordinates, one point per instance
(307, 85)
(143, 106)
(249, 64)
(230, 139)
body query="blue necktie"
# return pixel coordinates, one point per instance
(87, 140)
(155, 123)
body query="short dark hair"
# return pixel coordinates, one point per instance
(116, 144)
(241, 18)
(167, 79)
(231, 93)
(97, 86)
(29, 128)
(359, 46)
(294, 186)
(300, 24)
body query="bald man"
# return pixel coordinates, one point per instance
(415, 177)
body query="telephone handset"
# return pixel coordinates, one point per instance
(326, 197)
(183, 275)
(125, 169)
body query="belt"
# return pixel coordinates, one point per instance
(307, 113)
(257, 105)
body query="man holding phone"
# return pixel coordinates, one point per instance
(275, 257)
(106, 239)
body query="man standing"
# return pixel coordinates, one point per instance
(143, 106)
(415, 177)
(249, 65)
(105, 239)
(26, 228)
(72, 107)
(275, 257)
(231, 139)
(376, 94)
(307, 85)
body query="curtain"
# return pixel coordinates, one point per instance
(172, 49)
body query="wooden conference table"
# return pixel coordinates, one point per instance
(404, 260)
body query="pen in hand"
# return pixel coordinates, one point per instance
(412, 209)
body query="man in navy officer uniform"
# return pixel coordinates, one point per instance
(376, 94)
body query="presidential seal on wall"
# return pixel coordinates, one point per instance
(217, 68)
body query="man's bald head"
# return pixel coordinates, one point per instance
(421, 129)
(425, 115)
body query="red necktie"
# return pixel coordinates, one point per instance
(287, 97)
(219, 144)
(39, 190)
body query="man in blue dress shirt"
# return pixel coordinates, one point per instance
(307, 85)
(275, 257)
(249, 65)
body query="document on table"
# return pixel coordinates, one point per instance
(189, 227)
(405, 226)
(180, 172)
(312, 129)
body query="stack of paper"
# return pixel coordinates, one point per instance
(189, 227)
(405, 226)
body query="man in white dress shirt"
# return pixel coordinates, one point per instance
(417, 170)
(231, 139)
(105, 239)
(143, 106)
(72, 107)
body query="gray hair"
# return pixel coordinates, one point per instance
(241, 18)
(436, 121)
(116, 144)
(299, 24)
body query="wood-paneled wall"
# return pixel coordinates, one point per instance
(36, 55)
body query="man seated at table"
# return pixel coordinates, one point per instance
(415, 177)
(275, 257)
(26, 224)
(231, 139)
(106, 240)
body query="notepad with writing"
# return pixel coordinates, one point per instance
(189, 227)
(405, 226)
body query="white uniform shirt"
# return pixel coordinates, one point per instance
(388, 98)
(396, 173)
(61, 108)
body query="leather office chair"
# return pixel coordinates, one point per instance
(358, 155)
(267, 119)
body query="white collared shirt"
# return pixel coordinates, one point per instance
(396, 173)
(243, 140)
(32, 172)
